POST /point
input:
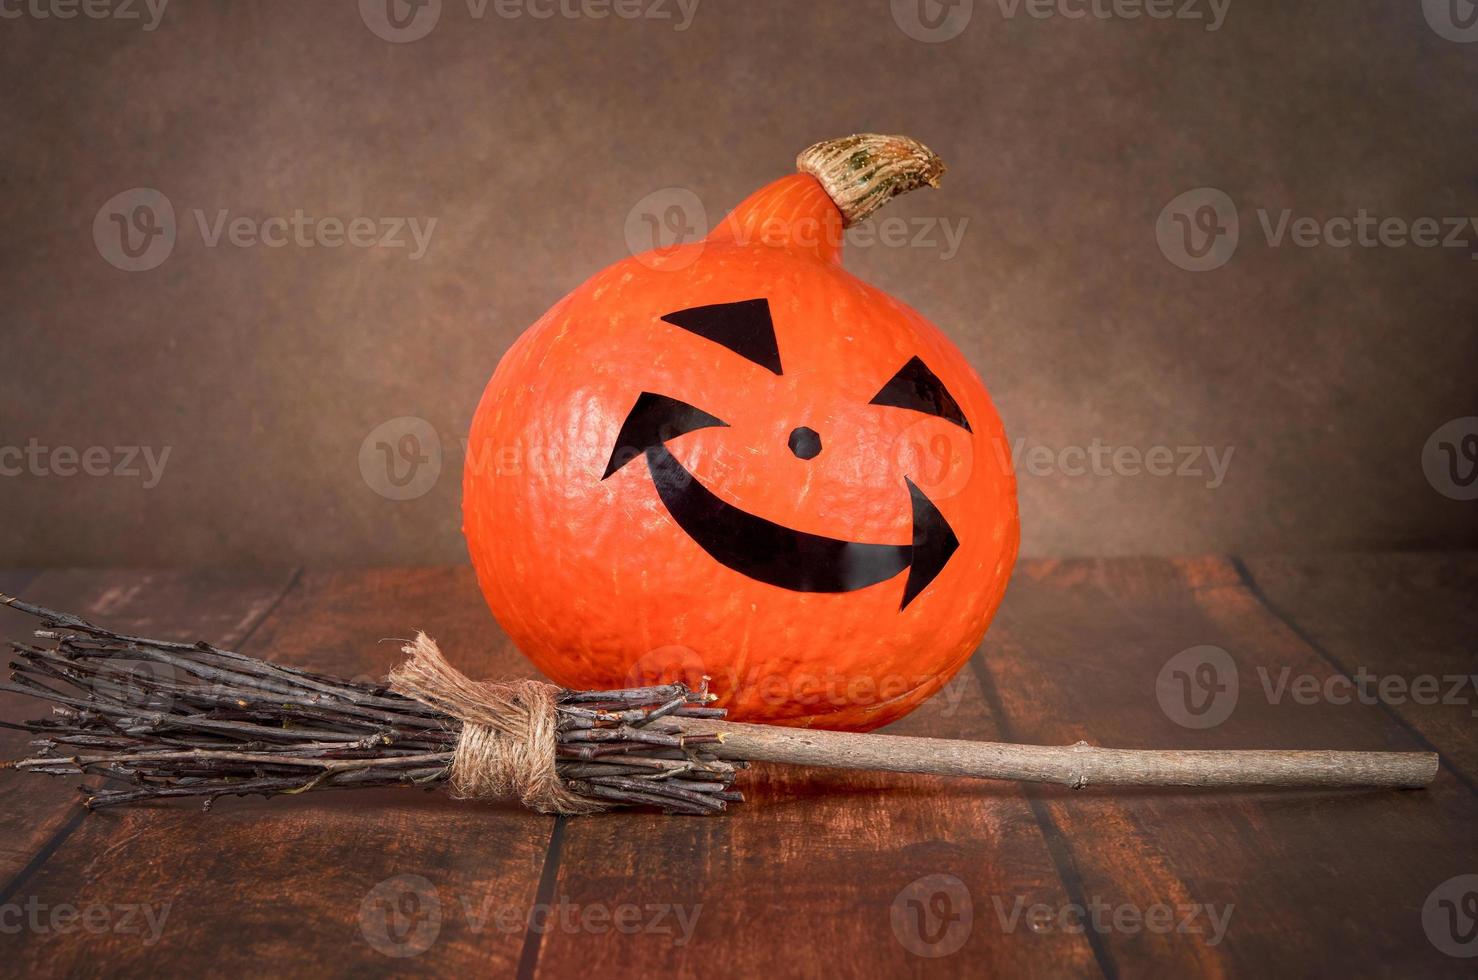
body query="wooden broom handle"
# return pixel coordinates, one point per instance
(1072, 765)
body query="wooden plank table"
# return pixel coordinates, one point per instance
(821, 872)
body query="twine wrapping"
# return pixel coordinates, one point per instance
(507, 745)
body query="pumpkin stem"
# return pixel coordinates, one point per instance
(861, 172)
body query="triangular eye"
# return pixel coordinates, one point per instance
(744, 327)
(916, 387)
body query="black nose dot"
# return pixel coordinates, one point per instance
(805, 443)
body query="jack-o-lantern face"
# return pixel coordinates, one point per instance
(750, 544)
(733, 459)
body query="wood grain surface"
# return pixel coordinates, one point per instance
(820, 871)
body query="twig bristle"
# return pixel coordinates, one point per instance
(163, 719)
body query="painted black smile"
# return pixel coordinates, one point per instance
(761, 549)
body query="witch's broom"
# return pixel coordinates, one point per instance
(163, 719)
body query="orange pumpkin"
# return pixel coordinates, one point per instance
(733, 459)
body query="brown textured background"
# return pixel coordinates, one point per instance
(532, 141)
